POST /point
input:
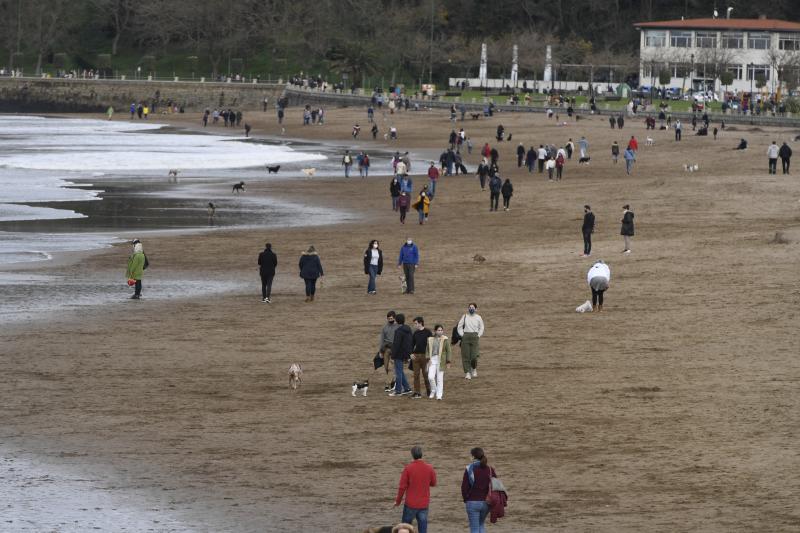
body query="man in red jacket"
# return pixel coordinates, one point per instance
(415, 482)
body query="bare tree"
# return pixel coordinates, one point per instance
(44, 24)
(117, 13)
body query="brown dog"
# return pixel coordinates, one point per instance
(295, 375)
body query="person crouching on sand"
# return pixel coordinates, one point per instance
(599, 277)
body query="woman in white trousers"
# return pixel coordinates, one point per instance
(438, 354)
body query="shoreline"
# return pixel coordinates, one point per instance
(664, 408)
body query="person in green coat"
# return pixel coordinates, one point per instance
(136, 268)
(438, 354)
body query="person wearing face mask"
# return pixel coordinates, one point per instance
(385, 349)
(373, 265)
(137, 262)
(438, 355)
(470, 328)
(409, 261)
(418, 356)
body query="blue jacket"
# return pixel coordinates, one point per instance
(406, 185)
(409, 255)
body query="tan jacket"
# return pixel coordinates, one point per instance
(445, 350)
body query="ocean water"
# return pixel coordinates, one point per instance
(53, 169)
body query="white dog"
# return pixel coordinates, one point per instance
(309, 172)
(403, 284)
(585, 307)
(295, 375)
(650, 142)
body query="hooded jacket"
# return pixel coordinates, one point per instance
(785, 152)
(409, 255)
(310, 266)
(627, 224)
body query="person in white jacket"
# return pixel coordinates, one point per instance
(599, 277)
(470, 328)
(772, 154)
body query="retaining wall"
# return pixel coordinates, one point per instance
(39, 95)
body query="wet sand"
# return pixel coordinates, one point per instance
(674, 409)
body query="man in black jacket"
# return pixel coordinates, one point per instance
(267, 261)
(401, 352)
(587, 229)
(785, 153)
(520, 155)
(420, 362)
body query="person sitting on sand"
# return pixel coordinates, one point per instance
(742, 145)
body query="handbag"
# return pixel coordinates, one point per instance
(455, 338)
(377, 361)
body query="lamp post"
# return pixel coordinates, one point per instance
(691, 71)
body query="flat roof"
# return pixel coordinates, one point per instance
(723, 24)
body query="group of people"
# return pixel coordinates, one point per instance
(427, 353)
(230, 118)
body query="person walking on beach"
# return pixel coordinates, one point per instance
(483, 173)
(520, 155)
(583, 147)
(419, 359)
(211, 209)
(267, 262)
(599, 277)
(633, 144)
(406, 183)
(415, 483)
(373, 265)
(422, 205)
(587, 229)
(470, 328)
(110, 112)
(310, 271)
(438, 354)
(137, 262)
(508, 191)
(772, 155)
(385, 349)
(475, 487)
(630, 159)
(678, 130)
(495, 186)
(627, 227)
(394, 192)
(433, 178)
(550, 165)
(347, 163)
(402, 344)
(560, 161)
(541, 156)
(785, 154)
(408, 261)
(615, 152)
(403, 202)
(363, 164)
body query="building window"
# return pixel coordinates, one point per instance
(733, 40)
(706, 39)
(790, 42)
(680, 70)
(758, 41)
(736, 70)
(680, 39)
(657, 39)
(758, 71)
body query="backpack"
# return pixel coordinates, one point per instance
(146, 262)
(455, 338)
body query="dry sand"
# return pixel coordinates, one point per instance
(675, 409)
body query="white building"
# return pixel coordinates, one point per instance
(696, 52)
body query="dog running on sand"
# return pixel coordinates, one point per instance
(295, 375)
(584, 160)
(273, 169)
(650, 142)
(309, 172)
(238, 187)
(360, 386)
(403, 284)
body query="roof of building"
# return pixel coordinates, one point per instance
(724, 24)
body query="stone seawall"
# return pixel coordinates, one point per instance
(301, 97)
(40, 95)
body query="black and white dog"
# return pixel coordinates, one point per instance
(273, 170)
(360, 386)
(584, 160)
(238, 187)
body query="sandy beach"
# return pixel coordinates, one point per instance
(675, 409)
